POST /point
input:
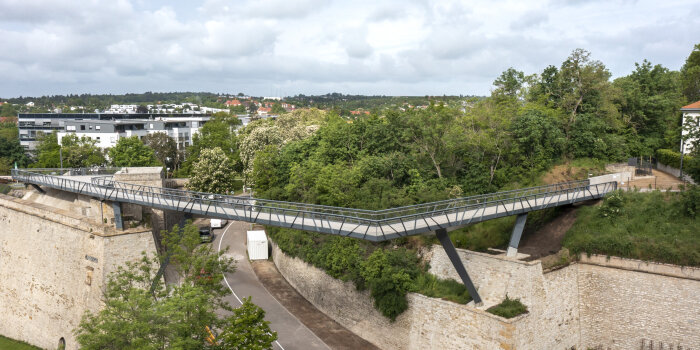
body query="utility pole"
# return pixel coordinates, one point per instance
(60, 155)
(682, 149)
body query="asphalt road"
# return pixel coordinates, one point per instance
(291, 333)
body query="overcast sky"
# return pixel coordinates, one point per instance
(287, 47)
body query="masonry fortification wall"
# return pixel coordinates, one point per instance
(428, 323)
(625, 303)
(602, 303)
(53, 266)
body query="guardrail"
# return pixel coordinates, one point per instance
(374, 225)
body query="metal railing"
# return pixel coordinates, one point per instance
(374, 225)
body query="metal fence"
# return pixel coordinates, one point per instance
(374, 225)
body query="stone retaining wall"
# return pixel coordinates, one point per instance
(427, 324)
(624, 302)
(53, 266)
(606, 303)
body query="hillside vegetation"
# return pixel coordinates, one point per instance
(656, 226)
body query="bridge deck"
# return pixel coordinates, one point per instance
(371, 225)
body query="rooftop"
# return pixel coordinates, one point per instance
(694, 105)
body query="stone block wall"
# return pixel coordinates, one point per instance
(428, 323)
(551, 298)
(600, 302)
(628, 302)
(53, 265)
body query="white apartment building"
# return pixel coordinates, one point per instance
(107, 132)
(691, 121)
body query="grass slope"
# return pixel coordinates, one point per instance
(657, 226)
(10, 344)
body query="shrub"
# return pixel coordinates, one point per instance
(689, 201)
(508, 308)
(613, 205)
(448, 289)
(389, 276)
(671, 158)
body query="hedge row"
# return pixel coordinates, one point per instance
(672, 158)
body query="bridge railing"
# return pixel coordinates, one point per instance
(357, 222)
(438, 206)
(74, 171)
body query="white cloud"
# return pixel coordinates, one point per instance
(315, 46)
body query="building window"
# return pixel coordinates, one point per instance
(97, 127)
(82, 127)
(151, 126)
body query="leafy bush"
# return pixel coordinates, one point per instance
(689, 201)
(508, 308)
(431, 286)
(388, 273)
(671, 158)
(612, 205)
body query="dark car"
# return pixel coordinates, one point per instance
(205, 234)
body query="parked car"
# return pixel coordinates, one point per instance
(205, 234)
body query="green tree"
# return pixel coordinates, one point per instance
(81, 152)
(249, 330)
(142, 312)
(580, 79)
(433, 133)
(11, 151)
(164, 149)
(240, 109)
(510, 83)
(649, 100)
(212, 172)
(219, 131)
(8, 110)
(48, 151)
(690, 76)
(537, 139)
(130, 151)
(277, 108)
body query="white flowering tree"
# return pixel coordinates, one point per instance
(288, 127)
(212, 172)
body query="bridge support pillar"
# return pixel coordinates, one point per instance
(515, 236)
(457, 263)
(118, 221)
(36, 187)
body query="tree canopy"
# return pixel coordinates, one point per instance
(130, 151)
(212, 172)
(164, 149)
(141, 312)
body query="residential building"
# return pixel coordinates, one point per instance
(179, 126)
(107, 132)
(691, 122)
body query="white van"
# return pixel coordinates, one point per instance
(218, 223)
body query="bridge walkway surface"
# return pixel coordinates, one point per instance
(372, 225)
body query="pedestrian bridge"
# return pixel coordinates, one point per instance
(372, 225)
